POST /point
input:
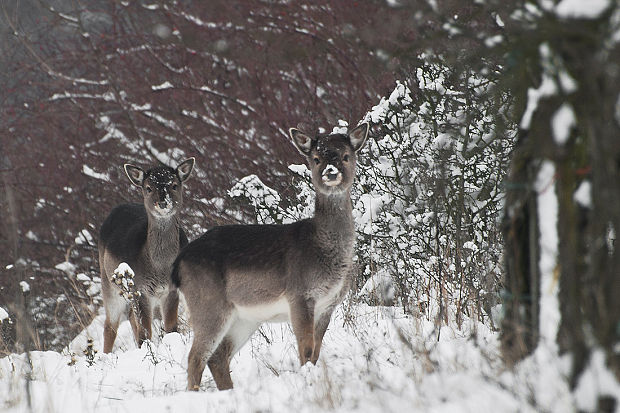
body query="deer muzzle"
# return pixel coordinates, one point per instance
(331, 175)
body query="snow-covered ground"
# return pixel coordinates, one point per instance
(374, 359)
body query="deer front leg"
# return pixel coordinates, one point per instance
(140, 319)
(302, 319)
(171, 311)
(319, 331)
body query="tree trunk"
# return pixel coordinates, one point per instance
(24, 333)
(522, 282)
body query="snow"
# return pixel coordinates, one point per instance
(300, 169)
(379, 287)
(163, 86)
(378, 112)
(32, 236)
(369, 206)
(580, 9)
(374, 359)
(499, 21)
(87, 170)
(66, 267)
(82, 277)
(546, 88)
(329, 169)
(562, 122)
(583, 194)
(254, 189)
(123, 277)
(493, 40)
(596, 381)
(343, 127)
(3, 315)
(548, 217)
(124, 268)
(84, 238)
(24, 286)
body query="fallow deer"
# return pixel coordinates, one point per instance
(147, 237)
(236, 277)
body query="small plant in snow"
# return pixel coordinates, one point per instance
(90, 352)
(123, 277)
(150, 352)
(73, 360)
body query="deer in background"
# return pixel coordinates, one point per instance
(148, 238)
(236, 277)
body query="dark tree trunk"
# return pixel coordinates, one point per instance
(588, 267)
(522, 281)
(22, 333)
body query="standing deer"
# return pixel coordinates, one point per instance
(236, 277)
(148, 238)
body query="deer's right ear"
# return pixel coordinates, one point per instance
(135, 174)
(302, 142)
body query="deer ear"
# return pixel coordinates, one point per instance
(185, 168)
(302, 142)
(135, 174)
(358, 136)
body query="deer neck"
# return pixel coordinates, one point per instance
(334, 218)
(162, 238)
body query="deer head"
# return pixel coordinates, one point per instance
(162, 186)
(331, 157)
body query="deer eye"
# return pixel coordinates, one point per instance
(345, 158)
(317, 161)
(175, 187)
(149, 189)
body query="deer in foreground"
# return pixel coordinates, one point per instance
(236, 277)
(148, 238)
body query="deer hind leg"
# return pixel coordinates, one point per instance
(302, 319)
(140, 318)
(171, 311)
(219, 363)
(209, 331)
(110, 329)
(115, 306)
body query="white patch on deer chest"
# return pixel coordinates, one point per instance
(328, 297)
(276, 311)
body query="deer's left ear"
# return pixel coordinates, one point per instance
(185, 168)
(358, 136)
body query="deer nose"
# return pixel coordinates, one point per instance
(330, 172)
(331, 175)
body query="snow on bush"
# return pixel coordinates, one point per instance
(4, 316)
(123, 277)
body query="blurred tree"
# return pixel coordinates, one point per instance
(562, 69)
